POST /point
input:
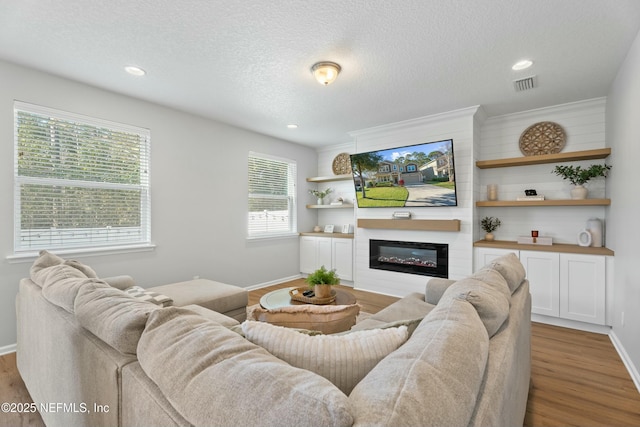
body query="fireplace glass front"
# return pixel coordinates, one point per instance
(427, 259)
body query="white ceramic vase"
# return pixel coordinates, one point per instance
(579, 192)
(320, 200)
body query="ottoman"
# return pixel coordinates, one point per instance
(226, 299)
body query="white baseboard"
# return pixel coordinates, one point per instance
(633, 371)
(571, 324)
(7, 349)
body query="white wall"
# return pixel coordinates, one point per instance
(198, 192)
(584, 125)
(456, 125)
(623, 232)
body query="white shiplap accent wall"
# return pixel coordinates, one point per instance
(459, 126)
(584, 124)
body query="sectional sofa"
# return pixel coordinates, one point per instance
(459, 354)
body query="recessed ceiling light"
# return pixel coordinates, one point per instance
(522, 65)
(135, 71)
(292, 126)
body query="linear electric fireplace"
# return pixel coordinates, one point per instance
(427, 259)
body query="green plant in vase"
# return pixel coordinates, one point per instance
(489, 224)
(579, 176)
(321, 194)
(322, 280)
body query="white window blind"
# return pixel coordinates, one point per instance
(272, 196)
(80, 182)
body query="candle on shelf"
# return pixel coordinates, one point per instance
(534, 234)
(492, 192)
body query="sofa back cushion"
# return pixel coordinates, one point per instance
(489, 294)
(431, 380)
(113, 316)
(213, 376)
(342, 359)
(510, 267)
(60, 280)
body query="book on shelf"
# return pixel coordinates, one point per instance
(524, 198)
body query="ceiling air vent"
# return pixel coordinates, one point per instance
(525, 83)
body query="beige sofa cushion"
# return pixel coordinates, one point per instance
(327, 319)
(431, 380)
(113, 316)
(342, 359)
(194, 360)
(510, 267)
(489, 300)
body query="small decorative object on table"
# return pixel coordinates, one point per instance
(489, 224)
(578, 177)
(530, 195)
(492, 192)
(328, 228)
(321, 194)
(322, 280)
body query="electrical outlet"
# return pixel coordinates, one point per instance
(622, 319)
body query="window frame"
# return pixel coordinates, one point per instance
(76, 246)
(292, 197)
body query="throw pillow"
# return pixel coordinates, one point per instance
(149, 296)
(344, 360)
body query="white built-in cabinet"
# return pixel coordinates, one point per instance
(332, 252)
(563, 285)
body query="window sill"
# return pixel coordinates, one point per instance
(107, 250)
(272, 237)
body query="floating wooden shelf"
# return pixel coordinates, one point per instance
(600, 153)
(411, 224)
(345, 177)
(342, 206)
(556, 247)
(568, 202)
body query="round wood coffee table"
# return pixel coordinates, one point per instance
(281, 298)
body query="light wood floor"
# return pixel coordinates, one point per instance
(577, 377)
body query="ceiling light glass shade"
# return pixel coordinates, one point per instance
(135, 71)
(325, 72)
(522, 65)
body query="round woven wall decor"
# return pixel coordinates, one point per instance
(542, 138)
(342, 164)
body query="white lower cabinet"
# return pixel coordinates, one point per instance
(333, 253)
(563, 285)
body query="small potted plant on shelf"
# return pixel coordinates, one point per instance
(320, 194)
(579, 176)
(322, 280)
(489, 224)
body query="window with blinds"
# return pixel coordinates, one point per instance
(80, 182)
(272, 196)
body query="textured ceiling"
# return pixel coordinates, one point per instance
(246, 62)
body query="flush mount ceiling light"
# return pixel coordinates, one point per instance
(135, 71)
(522, 65)
(292, 126)
(325, 72)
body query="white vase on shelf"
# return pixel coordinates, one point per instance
(579, 192)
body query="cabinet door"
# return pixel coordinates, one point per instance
(324, 253)
(582, 288)
(342, 257)
(308, 254)
(484, 256)
(543, 272)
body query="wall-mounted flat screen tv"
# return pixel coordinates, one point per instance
(411, 176)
